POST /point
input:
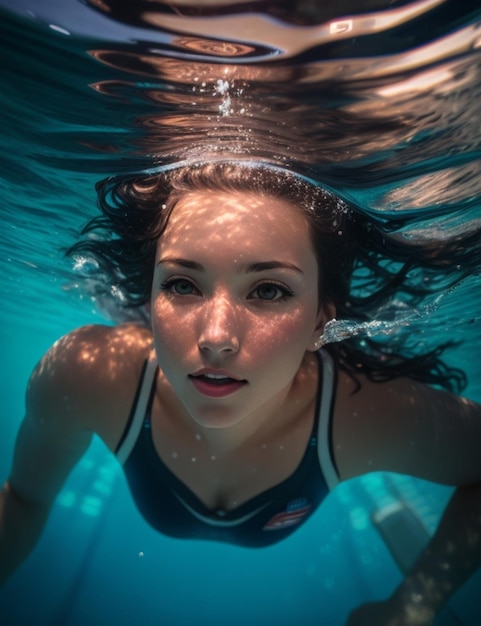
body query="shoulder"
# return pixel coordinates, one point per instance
(407, 427)
(88, 375)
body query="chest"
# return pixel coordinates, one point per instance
(227, 480)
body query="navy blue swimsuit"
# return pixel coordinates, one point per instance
(173, 509)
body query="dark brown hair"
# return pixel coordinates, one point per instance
(361, 265)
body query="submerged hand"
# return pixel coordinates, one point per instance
(385, 614)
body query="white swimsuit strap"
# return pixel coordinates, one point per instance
(140, 409)
(325, 410)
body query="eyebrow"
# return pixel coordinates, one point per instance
(261, 266)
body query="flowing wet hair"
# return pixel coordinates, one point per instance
(361, 266)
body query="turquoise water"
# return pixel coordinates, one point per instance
(388, 117)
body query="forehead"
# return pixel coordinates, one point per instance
(239, 219)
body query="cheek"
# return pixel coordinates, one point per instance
(278, 333)
(174, 329)
(170, 327)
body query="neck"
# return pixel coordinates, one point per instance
(252, 431)
(269, 420)
(266, 423)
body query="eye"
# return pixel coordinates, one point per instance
(179, 287)
(271, 292)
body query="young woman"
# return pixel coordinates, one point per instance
(231, 423)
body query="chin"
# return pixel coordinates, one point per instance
(216, 419)
(216, 424)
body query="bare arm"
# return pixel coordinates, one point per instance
(435, 436)
(452, 556)
(449, 560)
(49, 444)
(42, 462)
(84, 384)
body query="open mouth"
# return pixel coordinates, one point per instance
(217, 380)
(216, 385)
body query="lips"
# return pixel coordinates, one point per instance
(216, 384)
(218, 380)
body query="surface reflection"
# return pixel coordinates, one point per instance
(392, 100)
(352, 116)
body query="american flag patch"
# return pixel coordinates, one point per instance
(295, 512)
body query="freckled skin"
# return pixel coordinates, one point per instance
(222, 325)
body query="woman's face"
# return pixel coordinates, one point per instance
(234, 303)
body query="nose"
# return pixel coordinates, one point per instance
(219, 330)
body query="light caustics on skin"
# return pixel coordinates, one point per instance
(217, 254)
